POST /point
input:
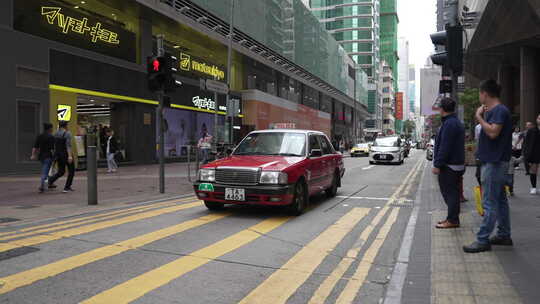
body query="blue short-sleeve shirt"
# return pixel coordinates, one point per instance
(498, 149)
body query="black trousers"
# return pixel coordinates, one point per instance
(450, 190)
(62, 164)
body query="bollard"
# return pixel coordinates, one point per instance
(91, 171)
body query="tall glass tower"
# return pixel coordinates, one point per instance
(355, 24)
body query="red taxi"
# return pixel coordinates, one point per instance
(273, 167)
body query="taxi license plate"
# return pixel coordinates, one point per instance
(383, 156)
(233, 194)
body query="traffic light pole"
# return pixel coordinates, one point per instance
(229, 72)
(161, 142)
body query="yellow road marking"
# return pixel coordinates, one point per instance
(39, 273)
(357, 280)
(81, 220)
(279, 286)
(140, 285)
(330, 282)
(38, 239)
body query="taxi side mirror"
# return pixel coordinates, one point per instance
(315, 153)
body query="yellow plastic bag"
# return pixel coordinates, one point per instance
(478, 200)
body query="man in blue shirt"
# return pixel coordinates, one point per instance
(449, 161)
(494, 152)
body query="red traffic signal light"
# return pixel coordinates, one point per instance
(155, 65)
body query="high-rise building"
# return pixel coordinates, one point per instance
(388, 97)
(403, 79)
(388, 32)
(412, 90)
(356, 26)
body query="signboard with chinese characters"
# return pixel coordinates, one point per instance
(81, 28)
(399, 105)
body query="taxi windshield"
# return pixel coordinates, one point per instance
(386, 142)
(273, 143)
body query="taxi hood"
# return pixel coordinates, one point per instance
(265, 162)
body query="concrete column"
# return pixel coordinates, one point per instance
(145, 40)
(529, 85)
(506, 80)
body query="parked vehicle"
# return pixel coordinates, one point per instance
(273, 167)
(360, 150)
(429, 149)
(387, 150)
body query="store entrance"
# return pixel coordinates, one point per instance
(95, 116)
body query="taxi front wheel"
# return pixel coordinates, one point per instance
(300, 199)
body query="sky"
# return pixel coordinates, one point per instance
(417, 20)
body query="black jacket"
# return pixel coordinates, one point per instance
(531, 146)
(450, 143)
(113, 148)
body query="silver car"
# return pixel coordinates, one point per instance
(387, 150)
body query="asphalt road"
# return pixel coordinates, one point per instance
(341, 250)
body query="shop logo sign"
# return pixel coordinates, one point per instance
(64, 113)
(188, 64)
(70, 24)
(185, 62)
(204, 103)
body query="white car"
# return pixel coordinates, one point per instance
(387, 150)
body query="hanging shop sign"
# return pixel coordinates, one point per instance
(206, 103)
(75, 26)
(64, 113)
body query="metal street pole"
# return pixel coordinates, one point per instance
(216, 107)
(229, 72)
(161, 144)
(91, 168)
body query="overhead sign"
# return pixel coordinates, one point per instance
(217, 86)
(189, 64)
(206, 103)
(76, 26)
(64, 113)
(399, 105)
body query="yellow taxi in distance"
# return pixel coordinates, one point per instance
(360, 149)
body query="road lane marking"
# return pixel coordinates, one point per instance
(330, 282)
(39, 239)
(357, 280)
(368, 167)
(280, 285)
(30, 276)
(370, 198)
(80, 220)
(140, 285)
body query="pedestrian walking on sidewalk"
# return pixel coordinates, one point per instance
(449, 161)
(205, 144)
(494, 152)
(531, 152)
(112, 149)
(43, 151)
(63, 155)
(478, 172)
(510, 174)
(528, 126)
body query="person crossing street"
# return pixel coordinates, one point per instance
(43, 151)
(63, 155)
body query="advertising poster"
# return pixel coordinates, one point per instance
(399, 105)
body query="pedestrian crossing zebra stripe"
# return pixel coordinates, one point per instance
(39, 239)
(140, 285)
(49, 270)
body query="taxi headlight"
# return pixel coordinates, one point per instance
(207, 175)
(274, 177)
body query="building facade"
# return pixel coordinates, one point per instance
(508, 53)
(85, 62)
(388, 97)
(356, 26)
(389, 35)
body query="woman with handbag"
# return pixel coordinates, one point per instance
(112, 149)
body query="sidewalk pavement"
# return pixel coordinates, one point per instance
(439, 270)
(20, 201)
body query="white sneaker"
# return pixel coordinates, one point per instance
(533, 191)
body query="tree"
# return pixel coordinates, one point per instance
(409, 127)
(470, 101)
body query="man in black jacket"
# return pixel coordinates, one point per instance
(531, 153)
(449, 161)
(64, 157)
(43, 151)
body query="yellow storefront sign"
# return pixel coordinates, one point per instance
(64, 113)
(188, 64)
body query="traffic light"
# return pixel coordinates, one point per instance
(161, 72)
(452, 40)
(154, 70)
